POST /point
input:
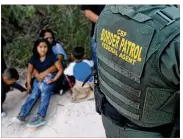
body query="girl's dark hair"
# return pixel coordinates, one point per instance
(78, 52)
(37, 42)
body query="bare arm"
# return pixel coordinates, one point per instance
(29, 76)
(43, 74)
(60, 57)
(91, 15)
(49, 70)
(52, 69)
(29, 73)
(35, 72)
(60, 71)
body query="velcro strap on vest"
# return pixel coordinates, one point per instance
(127, 11)
(166, 16)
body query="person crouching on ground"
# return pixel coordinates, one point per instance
(80, 68)
(41, 60)
(8, 79)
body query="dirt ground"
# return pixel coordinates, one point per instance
(64, 118)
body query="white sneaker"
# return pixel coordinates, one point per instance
(3, 114)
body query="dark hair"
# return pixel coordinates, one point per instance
(37, 42)
(78, 52)
(11, 73)
(42, 33)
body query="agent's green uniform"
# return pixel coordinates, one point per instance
(138, 50)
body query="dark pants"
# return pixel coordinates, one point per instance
(3, 97)
(119, 126)
(59, 85)
(113, 130)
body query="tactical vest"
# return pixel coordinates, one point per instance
(130, 41)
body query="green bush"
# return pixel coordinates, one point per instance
(21, 24)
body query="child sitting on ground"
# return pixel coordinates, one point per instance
(8, 79)
(41, 60)
(80, 69)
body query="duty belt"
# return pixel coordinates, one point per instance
(131, 125)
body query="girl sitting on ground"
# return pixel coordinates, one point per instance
(42, 59)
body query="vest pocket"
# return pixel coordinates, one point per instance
(170, 104)
(156, 107)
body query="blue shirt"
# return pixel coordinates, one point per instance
(80, 70)
(41, 66)
(58, 49)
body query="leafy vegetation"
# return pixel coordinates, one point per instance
(21, 24)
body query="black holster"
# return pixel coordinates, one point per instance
(99, 99)
(99, 96)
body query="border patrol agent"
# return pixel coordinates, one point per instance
(138, 50)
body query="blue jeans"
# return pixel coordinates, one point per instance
(38, 89)
(94, 54)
